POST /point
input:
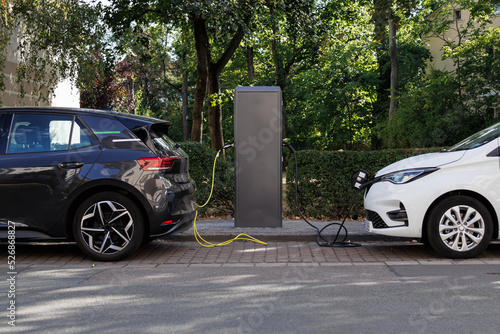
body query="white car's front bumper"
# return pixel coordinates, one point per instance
(397, 209)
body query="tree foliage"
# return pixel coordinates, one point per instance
(6, 28)
(447, 106)
(333, 100)
(332, 59)
(58, 39)
(218, 28)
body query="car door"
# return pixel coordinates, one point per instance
(45, 157)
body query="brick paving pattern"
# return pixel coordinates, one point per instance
(163, 252)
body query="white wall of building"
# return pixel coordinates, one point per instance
(66, 95)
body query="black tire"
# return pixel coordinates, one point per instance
(108, 226)
(459, 227)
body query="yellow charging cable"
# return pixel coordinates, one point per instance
(203, 242)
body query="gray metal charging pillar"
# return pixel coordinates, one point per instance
(258, 148)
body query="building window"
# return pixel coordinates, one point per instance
(457, 15)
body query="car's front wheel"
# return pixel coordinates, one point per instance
(459, 227)
(108, 226)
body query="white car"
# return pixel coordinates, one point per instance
(449, 199)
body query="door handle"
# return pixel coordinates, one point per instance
(71, 165)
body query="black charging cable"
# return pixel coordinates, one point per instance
(320, 240)
(228, 145)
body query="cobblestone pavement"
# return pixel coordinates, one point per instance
(163, 252)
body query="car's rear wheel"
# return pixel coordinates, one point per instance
(108, 226)
(459, 227)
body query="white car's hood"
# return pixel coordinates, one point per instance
(422, 161)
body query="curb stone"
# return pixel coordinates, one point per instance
(219, 230)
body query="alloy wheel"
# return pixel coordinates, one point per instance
(461, 228)
(107, 227)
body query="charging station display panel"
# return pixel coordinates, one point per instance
(258, 157)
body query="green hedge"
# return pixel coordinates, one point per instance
(201, 160)
(324, 179)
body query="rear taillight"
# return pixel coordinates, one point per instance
(157, 164)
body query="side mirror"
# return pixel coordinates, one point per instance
(358, 179)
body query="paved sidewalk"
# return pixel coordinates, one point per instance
(274, 254)
(294, 244)
(219, 230)
(300, 253)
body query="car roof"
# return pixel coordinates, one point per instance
(87, 111)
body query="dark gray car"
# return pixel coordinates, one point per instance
(107, 180)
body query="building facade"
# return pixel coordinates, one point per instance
(65, 95)
(460, 19)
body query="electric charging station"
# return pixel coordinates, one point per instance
(258, 168)
(258, 157)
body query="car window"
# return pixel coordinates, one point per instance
(59, 130)
(42, 132)
(164, 146)
(2, 117)
(478, 139)
(61, 134)
(81, 136)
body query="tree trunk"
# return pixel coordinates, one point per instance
(208, 77)
(183, 94)
(215, 109)
(250, 65)
(393, 50)
(203, 56)
(281, 76)
(380, 22)
(185, 122)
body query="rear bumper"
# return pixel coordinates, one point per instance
(176, 214)
(180, 225)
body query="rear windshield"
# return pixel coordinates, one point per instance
(480, 138)
(163, 145)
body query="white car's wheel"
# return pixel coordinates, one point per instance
(108, 226)
(459, 227)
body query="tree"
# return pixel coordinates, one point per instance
(380, 21)
(467, 32)
(480, 70)
(58, 40)
(6, 28)
(331, 102)
(100, 94)
(447, 106)
(387, 16)
(211, 69)
(218, 28)
(160, 61)
(393, 56)
(294, 36)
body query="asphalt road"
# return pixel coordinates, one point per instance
(374, 298)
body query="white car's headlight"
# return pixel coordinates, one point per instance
(405, 176)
